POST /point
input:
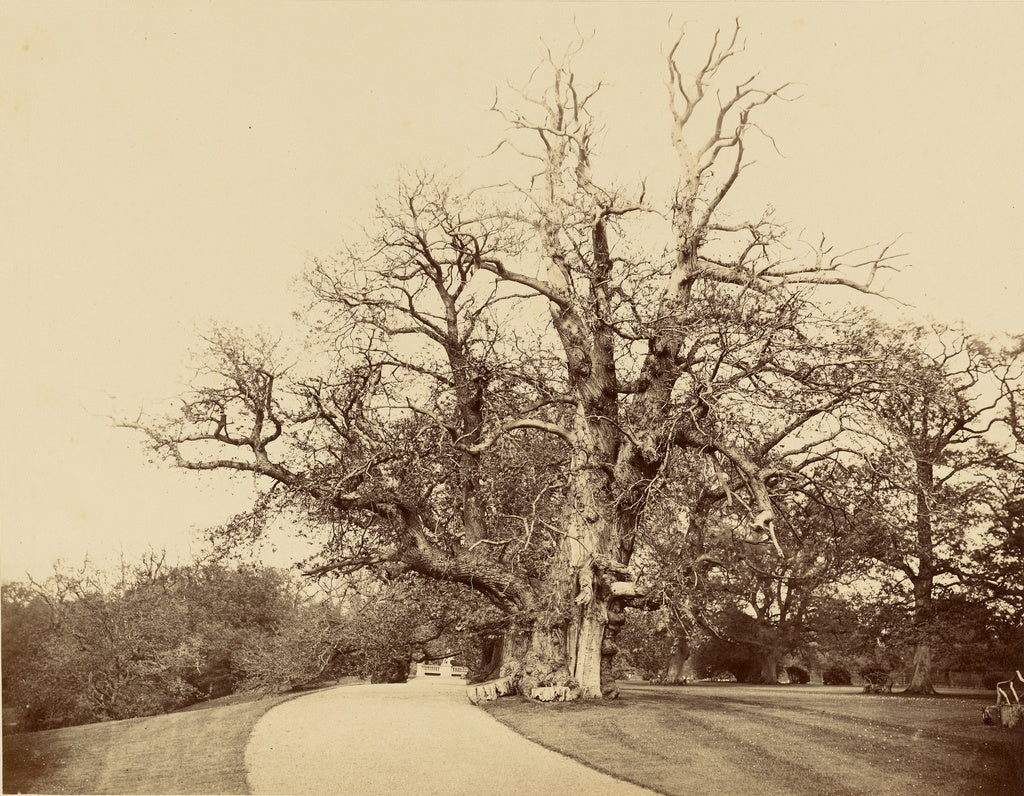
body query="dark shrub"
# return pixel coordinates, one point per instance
(717, 657)
(798, 675)
(836, 675)
(390, 670)
(989, 679)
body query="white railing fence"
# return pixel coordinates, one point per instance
(440, 670)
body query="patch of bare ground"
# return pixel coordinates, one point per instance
(797, 740)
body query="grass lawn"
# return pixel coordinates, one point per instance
(721, 739)
(200, 749)
(729, 739)
(194, 751)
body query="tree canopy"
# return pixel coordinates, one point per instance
(529, 388)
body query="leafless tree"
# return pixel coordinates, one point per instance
(570, 334)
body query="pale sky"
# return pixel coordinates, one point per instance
(165, 164)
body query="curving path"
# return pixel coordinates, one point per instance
(422, 737)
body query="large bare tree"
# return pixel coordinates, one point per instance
(510, 371)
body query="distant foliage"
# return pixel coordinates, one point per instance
(836, 675)
(377, 635)
(645, 643)
(798, 675)
(718, 657)
(305, 650)
(82, 646)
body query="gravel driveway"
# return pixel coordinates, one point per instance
(421, 737)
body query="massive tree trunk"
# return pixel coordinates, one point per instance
(676, 670)
(921, 679)
(583, 583)
(536, 658)
(576, 655)
(585, 644)
(770, 667)
(580, 608)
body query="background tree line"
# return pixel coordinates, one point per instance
(904, 551)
